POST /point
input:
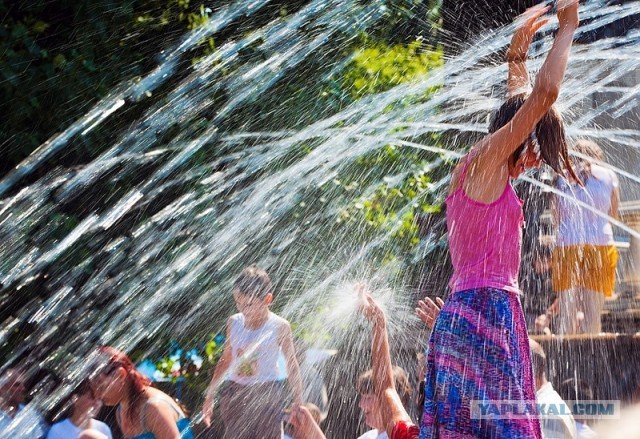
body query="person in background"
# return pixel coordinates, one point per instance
(142, 412)
(585, 257)
(16, 418)
(576, 390)
(83, 406)
(254, 397)
(538, 291)
(553, 426)
(369, 402)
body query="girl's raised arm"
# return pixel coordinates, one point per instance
(518, 80)
(494, 149)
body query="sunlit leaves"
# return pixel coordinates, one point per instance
(379, 67)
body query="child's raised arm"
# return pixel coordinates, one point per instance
(495, 149)
(391, 408)
(518, 81)
(293, 368)
(217, 379)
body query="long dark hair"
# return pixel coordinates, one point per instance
(64, 409)
(550, 135)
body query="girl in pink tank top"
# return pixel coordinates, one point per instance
(479, 350)
(484, 239)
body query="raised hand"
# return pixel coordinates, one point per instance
(303, 424)
(428, 310)
(567, 11)
(369, 308)
(531, 23)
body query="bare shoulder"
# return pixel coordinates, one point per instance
(280, 322)
(159, 405)
(465, 160)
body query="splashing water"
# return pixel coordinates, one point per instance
(160, 256)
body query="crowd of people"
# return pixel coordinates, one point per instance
(479, 348)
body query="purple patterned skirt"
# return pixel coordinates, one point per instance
(478, 351)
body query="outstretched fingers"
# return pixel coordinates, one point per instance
(530, 23)
(533, 21)
(428, 310)
(368, 307)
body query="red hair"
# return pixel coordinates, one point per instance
(136, 381)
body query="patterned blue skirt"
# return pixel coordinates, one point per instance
(478, 351)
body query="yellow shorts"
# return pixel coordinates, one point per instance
(592, 267)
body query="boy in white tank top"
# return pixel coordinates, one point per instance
(253, 396)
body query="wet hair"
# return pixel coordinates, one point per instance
(64, 409)
(83, 388)
(549, 132)
(253, 281)
(366, 385)
(575, 390)
(137, 382)
(538, 359)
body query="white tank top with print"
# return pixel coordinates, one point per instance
(255, 352)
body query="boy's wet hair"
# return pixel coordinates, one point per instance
(366, 385)
(575, 390)
(550, 135)
(538, 359)
(253, 281)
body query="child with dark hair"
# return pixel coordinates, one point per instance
(82, 406)
(478, 349)
(254, 396)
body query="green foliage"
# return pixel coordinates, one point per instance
(394, 203)
(194, 367)
(378, 67)
(58, 58)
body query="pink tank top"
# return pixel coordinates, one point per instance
(484, 239)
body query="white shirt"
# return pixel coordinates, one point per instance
(68, 430)
(578, 225)
(374, 434)
(555, 426)
(255, 352)
(585, 432)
